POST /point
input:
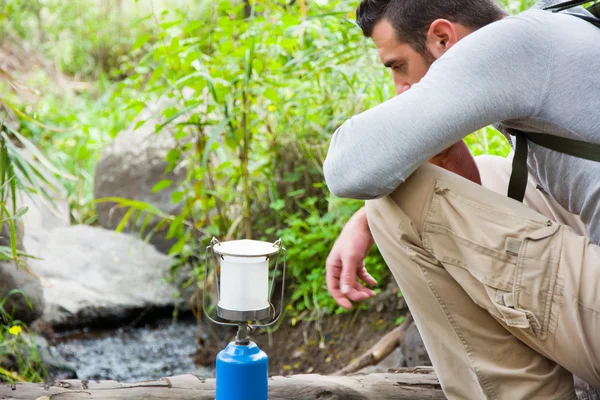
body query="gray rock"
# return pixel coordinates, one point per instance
(393, 361)
(94, 275)
(130, 167)
(585, 391)
(55, 364)
(28, 304)
(413, 349)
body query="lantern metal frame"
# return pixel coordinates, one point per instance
(241, 318)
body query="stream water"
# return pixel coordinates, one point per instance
(135, 354)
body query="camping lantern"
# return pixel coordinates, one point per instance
(243, 295)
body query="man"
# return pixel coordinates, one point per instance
(505, 294)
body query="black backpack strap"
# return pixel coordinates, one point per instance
(565, 5)
(594, 9)
(518, 178)
(591, 20)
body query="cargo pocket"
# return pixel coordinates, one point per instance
(506, 263)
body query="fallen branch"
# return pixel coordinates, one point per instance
(379, 350)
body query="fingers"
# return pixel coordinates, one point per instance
(359, 292)
(341, 299)
(342, 283)
(364, 275)
(333, 285)
(350, 264)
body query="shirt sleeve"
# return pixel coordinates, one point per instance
(497, 73)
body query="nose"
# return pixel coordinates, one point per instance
(402, 87)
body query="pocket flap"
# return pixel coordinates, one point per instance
(544, 232)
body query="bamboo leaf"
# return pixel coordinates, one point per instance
(124, 220)
(161, 185)
(214, 136)
(144, 225)
(33, 120)
(21, 212)
(140, 205)
(10, 376)
(13, 233)
(7, 252)
(176, 115)
(39, 156)
(211, 82)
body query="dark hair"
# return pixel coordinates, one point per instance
(411, 18)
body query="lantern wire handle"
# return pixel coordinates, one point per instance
(276, 244)
(243, 328)
(273, 284)
(214, 242)
(210, 247)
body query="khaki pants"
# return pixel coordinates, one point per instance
(506, 299)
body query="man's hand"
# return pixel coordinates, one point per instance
(346, 262)
(458, 159)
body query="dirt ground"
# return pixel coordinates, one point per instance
(327, 343)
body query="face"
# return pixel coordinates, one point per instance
(407, 65)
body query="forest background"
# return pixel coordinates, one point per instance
(255, 90)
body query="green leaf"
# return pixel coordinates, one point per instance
(209, 79)
(124, 220)
(192, 26)
(277, 204)
(140, 205)
(176, 197)
(39, 156)
(296, 193)
(271, 94)
(170, 24)
(141, 40)
(138, 124)
(13, 232)
(156, 74)
(177, 114)
(163, 184)
(21, 212)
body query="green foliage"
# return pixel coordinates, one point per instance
(85, 37)
(250, 94)
(24, 170)
(18, 349)
(252, 110)
(488, 141)
(254, 99)
(517, 6)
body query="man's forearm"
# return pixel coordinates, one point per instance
(359, 221)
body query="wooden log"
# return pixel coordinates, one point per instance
(406, 383)
(415, 384)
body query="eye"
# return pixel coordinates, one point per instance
(398, 67)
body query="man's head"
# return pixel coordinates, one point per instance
(411, 34)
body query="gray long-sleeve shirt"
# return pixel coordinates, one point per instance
(538, 72)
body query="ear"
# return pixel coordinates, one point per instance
(441, 36)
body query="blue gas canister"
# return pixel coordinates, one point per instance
(242, 373)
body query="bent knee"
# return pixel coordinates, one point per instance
(412, 199)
